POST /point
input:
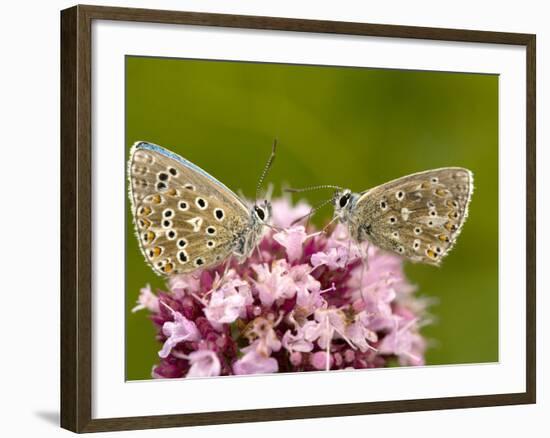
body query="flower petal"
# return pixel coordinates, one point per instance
(292, 239)
(204, 363)
(179, 330)
(255, 363)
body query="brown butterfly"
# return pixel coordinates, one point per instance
(186, 219)
(418, 216)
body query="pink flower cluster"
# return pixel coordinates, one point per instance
(304, 302)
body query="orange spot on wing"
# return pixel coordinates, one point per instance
(144, 223)
(452, 204)
(148, 236)
(145, 211)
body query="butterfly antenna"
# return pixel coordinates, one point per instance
(266, 169)
(312, 211)
(307, 189)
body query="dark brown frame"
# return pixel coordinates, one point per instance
(76, 226)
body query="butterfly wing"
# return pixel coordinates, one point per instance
(184, 218)
(418, 216)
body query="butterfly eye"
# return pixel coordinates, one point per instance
(260, 213)
(344, 200)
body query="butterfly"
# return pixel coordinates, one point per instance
(186, 219)
(418, 216)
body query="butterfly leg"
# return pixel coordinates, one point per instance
(260, 257)
(365, 254)
(221, 279)
(365, 265)
(348, 252)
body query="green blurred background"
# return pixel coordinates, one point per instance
(354, 127)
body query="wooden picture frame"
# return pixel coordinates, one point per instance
(76, 217)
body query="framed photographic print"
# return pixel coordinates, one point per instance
(269, 218)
